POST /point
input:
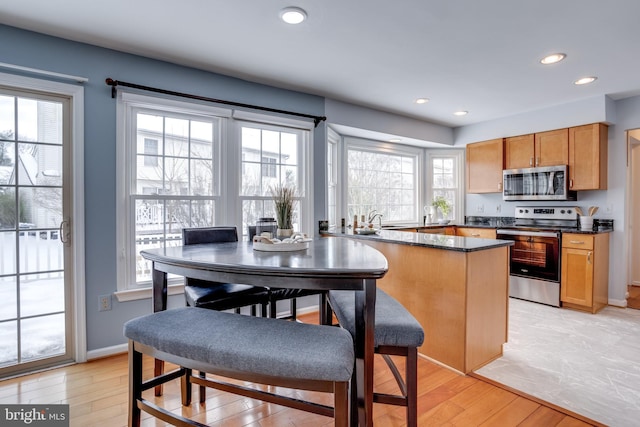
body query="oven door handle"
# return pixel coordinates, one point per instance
(526, 233)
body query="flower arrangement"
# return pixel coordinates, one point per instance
(283, 197)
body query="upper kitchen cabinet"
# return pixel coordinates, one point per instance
(588, 146)
(541, 149)
(484, 166)
(519, 152)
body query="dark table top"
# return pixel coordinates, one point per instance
(324, 259)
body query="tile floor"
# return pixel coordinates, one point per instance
(589, 364)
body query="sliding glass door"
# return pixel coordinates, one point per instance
(35, 284)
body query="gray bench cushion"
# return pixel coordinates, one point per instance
(248, 344)
(394, 324)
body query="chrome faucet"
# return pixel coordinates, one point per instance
(373, 215)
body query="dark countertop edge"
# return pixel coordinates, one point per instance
(599, 231)
(461, 245)
(492, 227)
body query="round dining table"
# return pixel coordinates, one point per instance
(327, 264)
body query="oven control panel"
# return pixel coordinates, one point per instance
(565, 213)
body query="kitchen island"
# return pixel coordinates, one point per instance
(456, 287)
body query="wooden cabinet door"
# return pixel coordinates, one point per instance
(576, 286)
(484, 166)
(588, 157)
(552, 148)
(519, 152)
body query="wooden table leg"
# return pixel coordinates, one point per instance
(364, 351)
(159, 303)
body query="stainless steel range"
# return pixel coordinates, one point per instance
(535, 256)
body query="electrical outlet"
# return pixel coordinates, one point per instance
(608, 209)
(104, 303)
(480, 208)
(498, 208)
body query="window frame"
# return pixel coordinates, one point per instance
(458, 156)
(304, 191)
(227, 177)
(362, 144)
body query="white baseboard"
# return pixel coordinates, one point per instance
(618, 302)
(107, 351)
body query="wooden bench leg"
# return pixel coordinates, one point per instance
(185, 387)
(202, 392)
(135, 385)
(412, 386)
(341, 404)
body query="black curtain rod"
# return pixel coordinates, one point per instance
(114, 83)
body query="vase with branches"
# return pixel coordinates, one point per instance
(283, 197)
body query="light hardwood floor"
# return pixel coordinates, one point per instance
(97, 394)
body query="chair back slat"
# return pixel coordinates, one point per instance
(220, 234)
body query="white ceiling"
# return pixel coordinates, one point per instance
(480, 56)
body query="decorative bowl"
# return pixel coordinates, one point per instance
(297, 242)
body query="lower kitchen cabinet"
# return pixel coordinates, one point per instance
(585, 271)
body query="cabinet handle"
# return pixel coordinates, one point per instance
(576, 242)
(530, 161)
(570, 183)
(475, 235)
(500, 186)
(589, 257)
(537, 161)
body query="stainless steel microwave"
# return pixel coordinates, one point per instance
(543, 183)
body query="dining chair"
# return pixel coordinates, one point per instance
(396, 333)
(216, 295)
(281, 294)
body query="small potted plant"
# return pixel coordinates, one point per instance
(283, 197)
(443, 205)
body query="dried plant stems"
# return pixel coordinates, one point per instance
(283, 197)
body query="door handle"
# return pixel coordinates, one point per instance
(63, 231)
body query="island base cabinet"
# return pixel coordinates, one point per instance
(459, 298)
(584, 281)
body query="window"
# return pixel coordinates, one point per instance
(384, 178)
(189, 165)
(445, 178)
(171, 164)
(271, 155)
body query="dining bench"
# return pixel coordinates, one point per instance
(259, 350)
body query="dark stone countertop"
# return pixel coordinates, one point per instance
(436, 241)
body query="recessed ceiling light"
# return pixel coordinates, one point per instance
(585, 80)
(553, 58)
(395, 140)
(293, 15)
(461, 113)
(422, 100)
